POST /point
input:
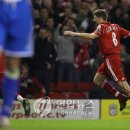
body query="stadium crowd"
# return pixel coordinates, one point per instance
(60, 58)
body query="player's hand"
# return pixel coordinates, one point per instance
(69, 33)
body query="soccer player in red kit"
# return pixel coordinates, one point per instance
(108, 36)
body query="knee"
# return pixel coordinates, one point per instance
(12, 73)
(97, 82)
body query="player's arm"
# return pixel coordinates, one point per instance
(124, 33)
(82, 35)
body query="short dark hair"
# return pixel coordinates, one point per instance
(101, 13)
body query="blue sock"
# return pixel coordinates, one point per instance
(10, 87)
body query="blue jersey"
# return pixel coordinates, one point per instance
(16, 28)
(10, 1)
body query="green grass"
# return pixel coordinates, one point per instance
(70, 125)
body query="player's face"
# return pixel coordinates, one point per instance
(97, 19)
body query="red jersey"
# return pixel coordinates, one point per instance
(109, 37)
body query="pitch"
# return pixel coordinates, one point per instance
(70, 125)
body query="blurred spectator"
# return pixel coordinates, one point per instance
(113, 3)
(85, 6)
(80, 16)
(125, 57)
(82, 63)
(92, 5)
(126, 21)
(36, 15)
(29, 85)
(48, 4)
(58, 5)
(117, 15)
(65, 51)
(105, 4)
(71, 24)
(44, 14)
(68, 13)
(44, 58)
(125, 6)
(37, 4)
(50, 24)
(77, 4)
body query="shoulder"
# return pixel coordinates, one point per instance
(99, 28)
(115, 25)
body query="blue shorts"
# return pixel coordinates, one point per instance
(16, 28)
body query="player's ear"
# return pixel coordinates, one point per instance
(94, 18)
(100, 19)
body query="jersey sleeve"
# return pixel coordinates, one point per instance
(123, 32)
(98, 30)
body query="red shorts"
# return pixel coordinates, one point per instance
(111, 67)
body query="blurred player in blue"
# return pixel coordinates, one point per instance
(16, 39)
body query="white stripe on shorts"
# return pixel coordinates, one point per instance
(111, 70)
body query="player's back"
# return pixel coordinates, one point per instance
(109, 40)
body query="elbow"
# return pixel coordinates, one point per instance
(93, 36)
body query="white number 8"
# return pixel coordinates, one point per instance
(114, 39)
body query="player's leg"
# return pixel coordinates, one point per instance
(125, 86)
(19, 98)
(113, 67)
(22, 45)
(100, 80)
(18, 44)
(10, 87)
(25, 104)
